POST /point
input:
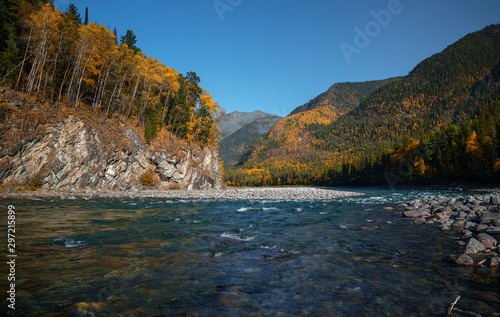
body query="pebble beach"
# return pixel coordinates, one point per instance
(282, 193)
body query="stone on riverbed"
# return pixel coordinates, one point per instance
(475, 218)
(465, 260)
(466, 234)
(487, 217)
(473, 247)
(416, 213)
(459, 223)
(487, 240)
(493, 231)
(495, 200)
(462, 313)
(481, 228)
(494, 261)
(235, 299)
(442, 215)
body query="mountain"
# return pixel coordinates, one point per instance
(292, 133)
(343, 96)
(441, 121)
(237, 119)
(234, 145)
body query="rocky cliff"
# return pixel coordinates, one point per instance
(75, 150)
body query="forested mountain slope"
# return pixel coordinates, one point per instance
(456, 89)
(344, 96)
(52, 64)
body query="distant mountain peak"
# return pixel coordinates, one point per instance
(238, 119)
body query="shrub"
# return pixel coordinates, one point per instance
(35, 182)
(174, 186)
(149, 178)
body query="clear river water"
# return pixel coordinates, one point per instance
(158, 257)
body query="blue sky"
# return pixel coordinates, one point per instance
(276, 55)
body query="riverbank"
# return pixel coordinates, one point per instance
(475, 219)
(281, 193)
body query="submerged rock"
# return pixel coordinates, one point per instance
(461, 313)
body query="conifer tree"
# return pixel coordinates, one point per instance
(86, 16)
(72, 13)
(115, 33)
(8, 16)
(130, 39)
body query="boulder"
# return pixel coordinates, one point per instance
(481, 228)
(473, 247)
(465, 260)
(487, 217)
(493, 231)
(478, 208)
(495, 200)
(442, 216)
(466, 234)
(487, 240)
(416, 213)
(459, 223)
(494, 261)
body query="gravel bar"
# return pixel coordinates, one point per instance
(280, 193)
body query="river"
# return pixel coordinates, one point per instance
(158, 257)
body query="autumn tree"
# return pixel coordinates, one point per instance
(83, 66)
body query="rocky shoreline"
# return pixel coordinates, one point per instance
(282, 193)
(475, 219)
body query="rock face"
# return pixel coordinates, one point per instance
(73, 153)
(237, 119)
